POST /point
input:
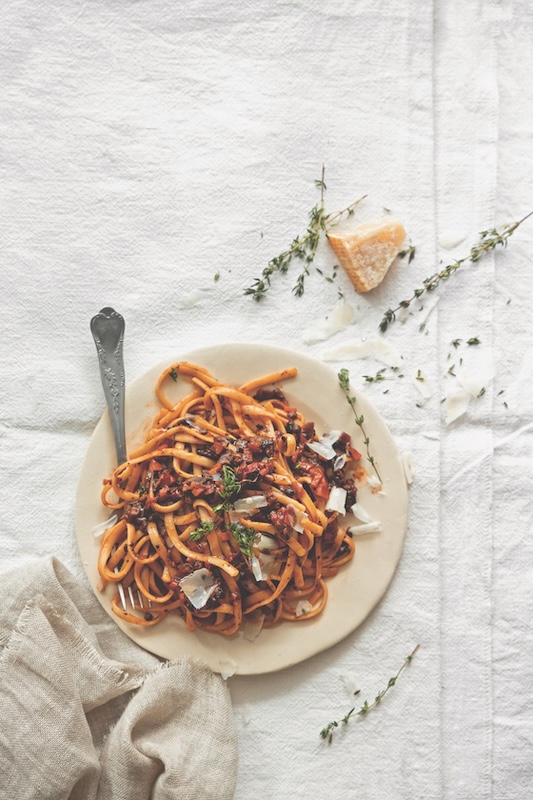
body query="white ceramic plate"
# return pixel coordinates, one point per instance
(359, 585)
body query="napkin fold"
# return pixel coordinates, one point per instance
(85, 714)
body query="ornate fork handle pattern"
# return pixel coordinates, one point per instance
(107, 328)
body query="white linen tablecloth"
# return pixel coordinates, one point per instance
(147, 146)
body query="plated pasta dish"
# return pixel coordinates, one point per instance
(231, 512)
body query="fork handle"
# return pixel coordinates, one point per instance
(107, 328)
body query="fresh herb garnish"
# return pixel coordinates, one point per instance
(216, 277)
(173, 374)
(489, 240)
(201, 531)
(473, 340)
(328, 278)
(302, 248)
(244, 538)
(377, 377)
(409, 251)
(230, 489)
(344, 381)
(142, 490)
(328, 731)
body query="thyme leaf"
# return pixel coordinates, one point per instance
(379, 376)
(302, 248)
(409, 251)
(244, 538)
(201, 531)
(230, 489)
(488, 241)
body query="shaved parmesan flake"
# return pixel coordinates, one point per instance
(324, 446)
(256, 568)
(268, 565)
(475, 378)
(341, 315)
(298, 527)
(263, 542)
(263, 564)
(252, 625)
(299, 515)
(448, 239)
(421, 382)
(339, 462)
(100, 529)
(407, 461)
(373, 347)
(227, 668)
(337, 500)
(359, 512)
(191, 299)
(330, 438)
(324, 451)
(303, 607)
(368, 527)
(198, 586)
(249, 505)
(373, 481)
(456, 404)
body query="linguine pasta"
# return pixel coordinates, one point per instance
(231, 510)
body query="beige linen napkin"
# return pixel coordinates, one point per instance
(86, 714)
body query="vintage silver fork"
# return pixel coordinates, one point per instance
(107, 328)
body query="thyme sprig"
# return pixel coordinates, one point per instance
(488, 241)
(344, 381)
(229, 491)
(328, 731)
(302, 247)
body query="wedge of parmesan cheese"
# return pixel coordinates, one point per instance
(367, 251)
